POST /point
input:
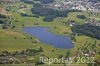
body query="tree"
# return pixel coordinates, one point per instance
(48, 18)
(36, 63)
(40, 49)
(67, 54)
(47, 1)
(88, 30)
(5, 26)
(23, 25)
(60, 56)
(90, 64)
(2, 16)
(13, 26)
(28, 1)
(81, 16)
(1, 22)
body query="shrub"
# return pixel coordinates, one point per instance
(48, 18)
(81, 16)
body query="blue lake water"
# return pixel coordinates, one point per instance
(42, 33)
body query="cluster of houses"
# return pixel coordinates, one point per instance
(75, 4)
(87, 53)
(90, 21)
(93, 22)
(71, 23)
(22, 6)
(67, 4)
(93, 6)
(9, 1)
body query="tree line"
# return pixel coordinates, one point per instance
(49, 13)
(18, 57)
(86, 29)
(42, 1)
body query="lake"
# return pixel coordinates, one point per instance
(44, 36)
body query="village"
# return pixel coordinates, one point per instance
(66, 4)
(82, 5)
(76, 4)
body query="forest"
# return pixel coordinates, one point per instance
(49, 13)
(88, 30)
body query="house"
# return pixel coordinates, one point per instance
(70, 23)
(23, 6)
(97, 5)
